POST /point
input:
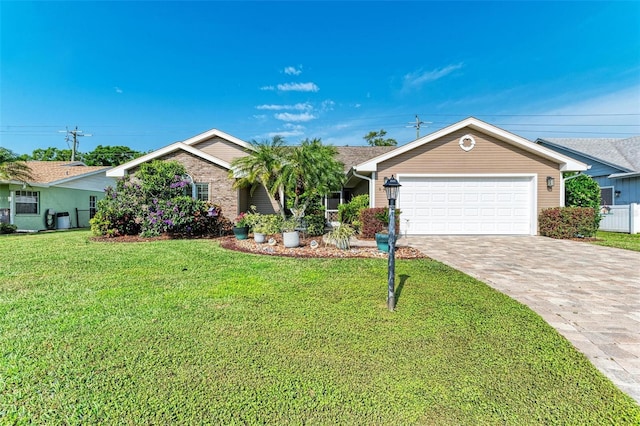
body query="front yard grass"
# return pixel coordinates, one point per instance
(184, 332)
(618, 240)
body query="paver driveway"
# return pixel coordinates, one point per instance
(590, 294)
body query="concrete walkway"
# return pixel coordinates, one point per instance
(590, 294)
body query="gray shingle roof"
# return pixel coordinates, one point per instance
(624, 153)
(352, 155)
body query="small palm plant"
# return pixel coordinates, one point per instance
(340, 236)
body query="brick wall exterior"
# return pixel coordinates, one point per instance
(220, 186)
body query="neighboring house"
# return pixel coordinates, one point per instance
(468, 178)
(614, 164)
(60, 191)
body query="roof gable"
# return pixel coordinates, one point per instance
(186, 145)
(566, 163)
(122, 169)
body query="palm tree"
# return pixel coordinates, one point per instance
(12, 169)
(263, 166)
(311, 170)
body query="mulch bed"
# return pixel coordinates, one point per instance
(322, 250)
(305, 250)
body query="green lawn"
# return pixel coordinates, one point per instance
(184, 332)
(619, 240)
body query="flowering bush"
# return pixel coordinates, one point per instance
(131, 209)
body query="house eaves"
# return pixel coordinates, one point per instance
(567, 164)
(123, 169)
(623, 175)
(72, 178)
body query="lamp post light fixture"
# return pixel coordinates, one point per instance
(392, 187)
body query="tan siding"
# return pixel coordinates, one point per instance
(489, 156)
(361, 188)
(261, 200)
(221, 148)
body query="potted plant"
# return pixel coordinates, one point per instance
(382, 236)
(340, 236)
(290, 236)
(241, 227)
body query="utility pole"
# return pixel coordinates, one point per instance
(72, 137)
(417, 125)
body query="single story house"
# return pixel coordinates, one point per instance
(468, 178)
(62, 194)
(613, 163)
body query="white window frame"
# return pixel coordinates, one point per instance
(27, 198)
(202, 191)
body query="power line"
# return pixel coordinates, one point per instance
(72, 136)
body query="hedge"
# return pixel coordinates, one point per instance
(569, 222)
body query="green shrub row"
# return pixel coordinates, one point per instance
(569, 222)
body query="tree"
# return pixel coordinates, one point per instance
(378, 139)
(263, 166)
(311, 170)
(51, 154)
(110, 155)
(13, 169)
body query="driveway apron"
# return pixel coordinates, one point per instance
(590, 294)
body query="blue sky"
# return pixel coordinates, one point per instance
(147, 74)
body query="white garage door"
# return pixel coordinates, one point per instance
(466, 205)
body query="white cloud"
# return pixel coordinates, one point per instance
(117, 89)
(298, 87)
(293, 70)
(286, 116)
(290, 130)
(416, 79)
(267, 88)
(297, 107)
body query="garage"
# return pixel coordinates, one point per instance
(467, 205)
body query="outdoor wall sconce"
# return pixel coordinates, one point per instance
(551, 181)
(617, 193)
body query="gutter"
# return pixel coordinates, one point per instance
(372, 193)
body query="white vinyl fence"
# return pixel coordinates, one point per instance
(624, 218)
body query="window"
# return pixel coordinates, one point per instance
(92, 206)
(27, 202)
(606, 196)
(202, 191)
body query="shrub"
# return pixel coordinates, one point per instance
(376, 219)
(568, 222)
(350, 212)
(133, 208)
(5, 228)
(582, 191)
(315, 224)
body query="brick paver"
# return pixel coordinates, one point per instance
(590, 294)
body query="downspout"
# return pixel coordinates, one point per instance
(372, 192)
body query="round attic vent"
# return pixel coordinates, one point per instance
(467, 142)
